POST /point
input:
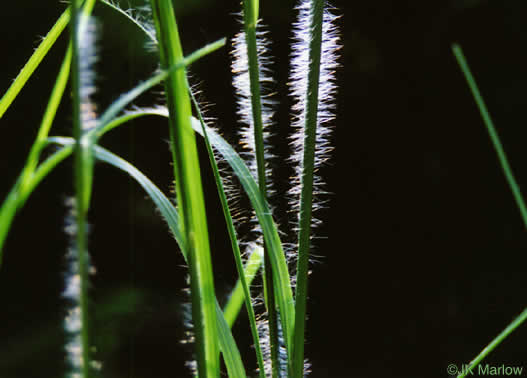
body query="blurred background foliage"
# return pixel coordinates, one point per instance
(421, 254)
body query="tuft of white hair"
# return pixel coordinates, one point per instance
(326, 104)
(87, 46)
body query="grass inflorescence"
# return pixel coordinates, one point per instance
(277, 329)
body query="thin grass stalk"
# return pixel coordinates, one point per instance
(494, 137)
(34, 61)
(306, 197)
(146, 29)
(269, 229)
(236, 299)
(494, 343)
(37, 57)
(47, 120)
(234, 243)
(281, 277)
(231, 354)
(12, 203)
(189, 192)
(511, 181)
(250, 17)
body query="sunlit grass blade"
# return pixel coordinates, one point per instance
(15, 200)
(34, 61)
(104, 124)
(227, 344)
(169, 213)
(494, 343)
(234, 243)
(11, 204)
(269, 229)
(259, 204)
(237, 297)
(146, 29)
(509, 176)
(38, 55)
(189, 191)
(125, 99)
(494, 137)
(281, 280)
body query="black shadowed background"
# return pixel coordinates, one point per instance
(421, 256)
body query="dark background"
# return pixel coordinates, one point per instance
(421, 255)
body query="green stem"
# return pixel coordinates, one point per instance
(502, 157)
(47, 120)
(306, 196)
(189, 191)
(34, 61)
(12, 203)
(494, 343)
(233, 306)
(234, 244)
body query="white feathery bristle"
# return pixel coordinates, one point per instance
(142, 17)
(326, 105)
(241, 83)
(87, 40)
(73, 324)
(262, 325)
(189, 337)
(299, 87)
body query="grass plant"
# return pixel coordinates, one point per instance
(513, 185)
(278, 333)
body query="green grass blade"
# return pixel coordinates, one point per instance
(13, 203)
(37, 57)
(237, 297)
(43, 170)
(234, 243)
(16, 199)
(227, 344)
(494, 343)
(129, 16)
(231, 354)
(34, 61)
(502, 157)
(189, 191)
(47, 120)
(306, 197)
(281, 275)
(279, 266)
(515, 188)
(104, 123)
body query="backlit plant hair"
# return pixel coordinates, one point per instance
(277, 331)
